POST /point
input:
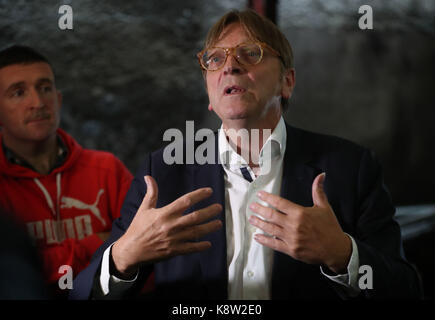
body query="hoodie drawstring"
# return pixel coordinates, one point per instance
(54, 211)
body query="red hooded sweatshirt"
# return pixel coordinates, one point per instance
(64, 209)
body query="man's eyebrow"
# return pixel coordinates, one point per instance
(15, 85)
(19, 84)
(44, 80)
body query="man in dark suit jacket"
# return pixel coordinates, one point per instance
(324, 220)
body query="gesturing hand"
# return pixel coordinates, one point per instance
(156, 234)
(309, 234)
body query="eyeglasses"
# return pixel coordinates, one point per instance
(214, 58)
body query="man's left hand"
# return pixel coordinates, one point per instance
(309, 234)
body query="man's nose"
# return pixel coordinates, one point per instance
(232, 66)
(35, 99)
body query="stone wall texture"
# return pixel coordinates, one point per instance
(128, 72)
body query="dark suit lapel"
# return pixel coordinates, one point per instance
(214, 260)
(297, 179)
(299, 173)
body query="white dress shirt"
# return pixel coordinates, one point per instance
(249, 263)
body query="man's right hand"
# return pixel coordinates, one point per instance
(157, 234)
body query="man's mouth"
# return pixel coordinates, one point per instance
(37, 119)
(230, 90)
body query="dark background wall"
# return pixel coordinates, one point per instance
(128, 72)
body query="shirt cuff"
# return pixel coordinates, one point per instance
(109, 283)
(348, 280)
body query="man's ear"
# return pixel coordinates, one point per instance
(288, 83)
(210, 108)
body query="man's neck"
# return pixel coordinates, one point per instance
(40, 155)
(257, 134)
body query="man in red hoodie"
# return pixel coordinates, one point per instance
(65, 196)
